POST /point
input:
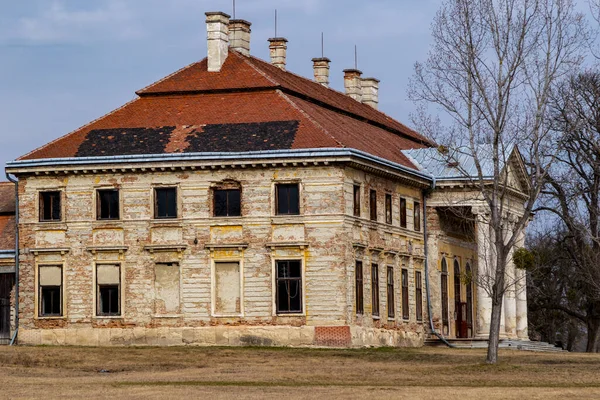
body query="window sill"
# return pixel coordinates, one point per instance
(166, 221)
(51, 318)
(167, 316)
(286, 219)
(108, 317)
(391, 319)
(228, 316)
(376, 317)
(291, 315)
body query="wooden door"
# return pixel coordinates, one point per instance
(6, 285)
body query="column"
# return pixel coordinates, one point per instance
(521, 297)
(484, 268)
(510, 301)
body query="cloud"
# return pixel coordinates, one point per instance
(57, 23)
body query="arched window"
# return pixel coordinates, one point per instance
(458, 318)
(444, 296)
(469, 298)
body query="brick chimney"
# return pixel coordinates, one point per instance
(239, 36)
(353, 83)
(278, 50)
(370, 92)
(217, 27)
(321, 68)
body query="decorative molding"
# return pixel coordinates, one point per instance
(107, 249)
(274, 245)
(238, 246)
(61, 251)
(165, 247)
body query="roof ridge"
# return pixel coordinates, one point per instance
(308, 117)
(78, 129)
(166, 77)
(254, 67)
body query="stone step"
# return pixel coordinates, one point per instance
(504, 344)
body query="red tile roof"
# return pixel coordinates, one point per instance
(186, 111)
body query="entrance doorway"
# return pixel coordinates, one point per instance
(6, 284)
(460, 308)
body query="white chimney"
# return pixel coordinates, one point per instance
(370, 92)
(239, 36)
(217, 27)
(321, 68)
(353, 83)
(278, 50)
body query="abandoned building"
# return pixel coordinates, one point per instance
(234, 202)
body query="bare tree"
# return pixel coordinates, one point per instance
(573, 192)
(491, 69)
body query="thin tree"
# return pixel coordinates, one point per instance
(491, 69)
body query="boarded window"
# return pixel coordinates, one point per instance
(50, 209)
(227, 203)
(373, 204)
(403, 212)
(289, 287)
(227, 288)
(165, 202)
(444, 290)
(166, 288)
(390, 291)
(419, 296)
(287, 197)
(417, 213)
(50, 291)
(405, 310)
(107, 204)
(388, 208)
(108, 286)
(375, 289)
(356, 200)
(359, 287)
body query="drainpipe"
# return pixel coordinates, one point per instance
(427, 290)
(16, 182)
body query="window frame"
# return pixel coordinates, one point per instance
(405, 297)
(389, 215)
(99, 205)
(155, 194)
(373, 205)
(391, 304)
(419, 296)
(276, 311)
(403, 214)
(39, 314)
(359, 285)
(227, 190)
(356, 200)
(97, 313)
(417, 216)
(41, 202)
(375, 308)
(278, 185)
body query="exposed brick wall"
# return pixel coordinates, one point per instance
(335, 336)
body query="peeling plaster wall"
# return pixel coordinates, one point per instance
(322, 237)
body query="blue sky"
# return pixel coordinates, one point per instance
(64, 63)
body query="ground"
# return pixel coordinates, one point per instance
(246, 373)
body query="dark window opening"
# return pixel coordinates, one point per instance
(419, 296)
(227, 203)
(50, 301)
(289, 287)
(356, 200)
(108, 204)
(403, 213)
(417, 209)
(108, 300)
(373, 204)
(445, 296)
(375, 290)
(405, 310)
(359, 288)
(50, 206)
(388, 208)
(165, 203)
(390, 292)
(287, 199)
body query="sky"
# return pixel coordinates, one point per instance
(64, 63)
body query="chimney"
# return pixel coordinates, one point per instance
(239, 36)
(217, 26)
(278, 49)
(370, 92)
(353, 83)
(321, 67)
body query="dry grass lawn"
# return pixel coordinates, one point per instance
(249, 373)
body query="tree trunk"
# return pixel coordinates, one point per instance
(593, 332)
(494, 340)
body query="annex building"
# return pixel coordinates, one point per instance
(234, 202)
